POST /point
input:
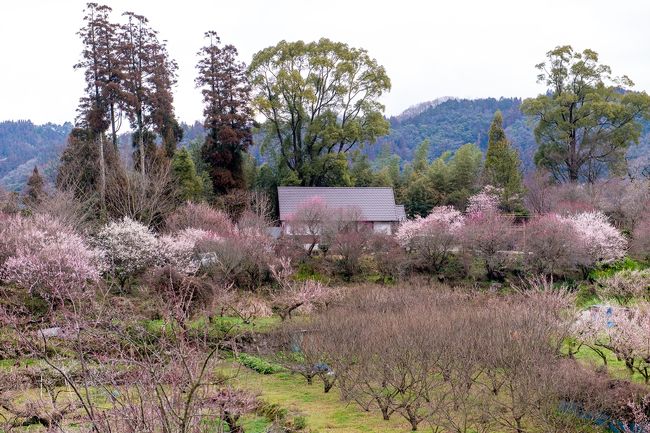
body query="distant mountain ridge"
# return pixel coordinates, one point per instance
(416, 109)
(447, 122)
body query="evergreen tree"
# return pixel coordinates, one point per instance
(503, 167)
(96, 107)
(361, 170)
(146, 97)
(78, 171)
(228, 115)
(465, 174)
(421, 157)
(387, 167)
(189, 185)
(35, 191)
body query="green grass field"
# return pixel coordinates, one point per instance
(324, 413)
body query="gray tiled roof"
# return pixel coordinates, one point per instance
(375, 204)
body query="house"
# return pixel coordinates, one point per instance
(373, 206)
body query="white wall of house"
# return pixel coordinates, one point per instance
(379, 227)
(382, 227)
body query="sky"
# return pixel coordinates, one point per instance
(434, 48)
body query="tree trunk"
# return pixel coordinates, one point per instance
(114, 131)
(141, 148)
(102, 175)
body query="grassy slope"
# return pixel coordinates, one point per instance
(325, 413)
(616, 368)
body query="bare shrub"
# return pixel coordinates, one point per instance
(640, 245)
(488, 236)
(409, 362)
(552, 246)
(391, 260)
(65, 207)
(308, 222)
(345, 237)
(148, 199)
(199, 216)
(241, 259)
(170, 370)
(187, 292)
(8, 201)
(626, 285)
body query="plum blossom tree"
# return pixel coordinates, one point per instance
(430, 240)
(47, 258)
(488, 236)
(552, 246)
(623, 331)
(130, 247)
(199, 216)
(294, 294)
(487, 200)
(604, 242)
(640, 420)
(179, 250)
(308, 222)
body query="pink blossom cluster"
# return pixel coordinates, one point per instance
(624, 331)
(47, 257)
(487, 200)
(446, 217)
(603, 241)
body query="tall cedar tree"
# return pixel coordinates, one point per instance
(228, 114)
(35, 191)
(146, 98)
(98, 61)
(502, 167)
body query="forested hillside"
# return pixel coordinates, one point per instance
(23, 145)
(448, 125)
(455, 122)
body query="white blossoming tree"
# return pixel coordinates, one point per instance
(604, 242)
(431, 240)
(47, 257)
(129, 247)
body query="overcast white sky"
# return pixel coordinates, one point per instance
(463, 48)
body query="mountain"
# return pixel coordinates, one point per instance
(453, 122)
(416, 109)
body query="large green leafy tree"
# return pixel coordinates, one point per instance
(320, 100)
(587, 119)
(502, 167)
